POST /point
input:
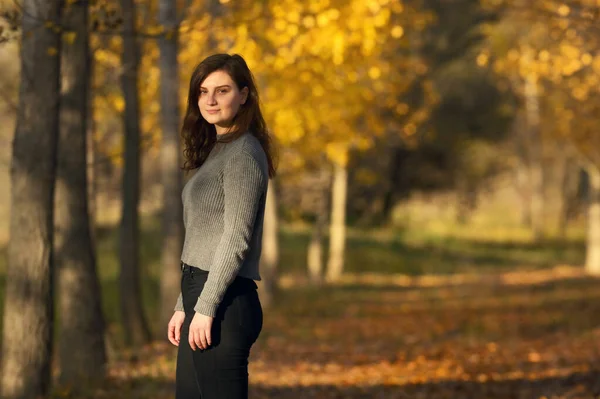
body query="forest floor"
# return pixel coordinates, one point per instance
(532, 334)
(418, 314)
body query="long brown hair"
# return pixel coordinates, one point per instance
(199, 136)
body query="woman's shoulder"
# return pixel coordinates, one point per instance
(249, 144)
(247, 147)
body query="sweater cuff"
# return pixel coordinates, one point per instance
(206, 308)
(179, 304)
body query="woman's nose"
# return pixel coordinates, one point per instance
(211, 99)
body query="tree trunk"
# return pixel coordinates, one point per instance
(537, 198)
(132, 314)
(396, 158)
(91, 150)
(315, 248)
(215, 10)
(270, 248)
(172, 213)
(524, 192)
(81, 341)
(522, 184)
(569, 182)
(536, 169)
(337, 231)
(466, 198)
(29, 300)
(592, 258)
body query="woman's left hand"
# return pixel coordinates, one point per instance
(200, 327)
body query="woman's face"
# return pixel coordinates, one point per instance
(220, 99)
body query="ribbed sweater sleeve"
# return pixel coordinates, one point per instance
(179, 304)
(244, 184)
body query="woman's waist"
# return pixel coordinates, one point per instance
(250, 267)
(200, 276)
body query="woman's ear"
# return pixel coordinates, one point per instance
(244, 94)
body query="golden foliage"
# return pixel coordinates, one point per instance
(554, 45)
(328, 71)
(321, 65)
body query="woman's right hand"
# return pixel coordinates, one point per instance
(175, 327)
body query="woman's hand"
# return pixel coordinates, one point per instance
(200, 331)
(174, 333)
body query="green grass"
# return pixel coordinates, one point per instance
(417, 252)
(411, 251)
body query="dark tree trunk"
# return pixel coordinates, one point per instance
(315, 247)
(92, 188)
(392, 192)
(81, 340)
(29, 301)
(536, 164)
(314, 258)
(132, 314)
(568, 186)
(592, 258)
(172, 214)
(466, 194)
(215, 10)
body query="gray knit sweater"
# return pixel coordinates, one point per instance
(223, 212)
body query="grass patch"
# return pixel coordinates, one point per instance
(411, 251)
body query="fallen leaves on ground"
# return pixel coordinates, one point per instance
(534, 337)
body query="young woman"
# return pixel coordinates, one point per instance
(218, 315)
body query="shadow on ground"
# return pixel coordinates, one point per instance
(573, 386)
(582, 385)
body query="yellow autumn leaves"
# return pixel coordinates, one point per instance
(558, 50)
(326, 69)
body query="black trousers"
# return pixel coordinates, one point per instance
(221, 371)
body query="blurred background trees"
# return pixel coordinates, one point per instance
(395, 120)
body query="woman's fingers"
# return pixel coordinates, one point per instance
(174, 327)
(202, 338)
(171, 334)
(197, 340)
(200, 332)
(192, 339)
(178, 332)
(207, 334)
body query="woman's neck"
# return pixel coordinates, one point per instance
(222, 130)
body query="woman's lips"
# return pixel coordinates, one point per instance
(212, 111)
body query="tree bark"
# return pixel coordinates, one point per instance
(172, 213)
(81, 340)
(215, 10)
(521, 170)
(134, 323)
(396, 157)
(592, 259)
(315, 247)
(29, 300)
(91, 149)
(337, 231)
(270, 248)
(466, 196)
(568, 187)
(524, 192)
(536, 168)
